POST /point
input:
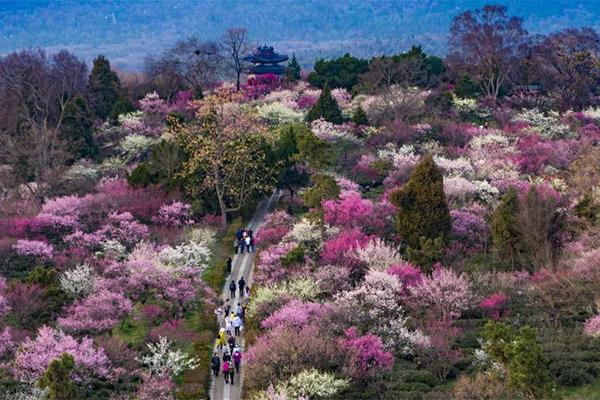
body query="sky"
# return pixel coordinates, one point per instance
(126, 31)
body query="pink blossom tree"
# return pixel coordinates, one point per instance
(351, 211)
(444, 293)
(34, 248)
(98, 312)
(34, 356)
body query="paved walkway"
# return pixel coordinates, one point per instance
(242, 266)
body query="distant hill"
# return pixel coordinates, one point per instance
(125, 31)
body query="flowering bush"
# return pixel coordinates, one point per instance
(189, 254)
(34, 356)
(495, 305)
(378, 255)
(163, 360)
(592, 326)
(98, 312)
(156, 387)
(135, 147)
(340, 248)
(366, 355)
(294, 314)
(349, 212)
(34, 248)
(278, 114)
(124, 228)
(444, 293)
(175, 214)
(79, 281)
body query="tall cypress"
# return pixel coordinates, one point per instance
(505, 231)
(77, 130)
(104, 87)
(422, 206)
(292, 71)
(326, 107)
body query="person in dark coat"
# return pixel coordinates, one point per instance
(231, 343)
(228, 268)
(232, 288)
(231, 371)
(215, 364)
(241, 285)
(227, 308)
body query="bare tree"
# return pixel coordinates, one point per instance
(488, 45)
(36, 89)
(235, 44)
(189, 64)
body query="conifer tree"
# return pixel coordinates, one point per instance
(292, 71)
(104, 87)
(326, 107)
(505, 231)
(77, 130)
(57, 379)
(423, 209)
(122, 106)
(359, 117)
(324, 188)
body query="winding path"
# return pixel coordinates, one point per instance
(242, 266)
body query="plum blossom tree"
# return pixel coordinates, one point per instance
(164, 360)
(156, 387)
(34, 248)
(98, 312)
(351, 211)
(444, 293)
(374, 307)
(79, 281)
(366, 355)
(175, 214)
(339, 248)
(34, 356)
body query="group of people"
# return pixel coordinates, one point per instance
(233, 319)
(232, 354)
(244, 290)
(244, 240)
(231, 364)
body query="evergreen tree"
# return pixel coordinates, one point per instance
(57, 379)
(324, 188)
(326, 107)
(359, 116)
(423, 209)
(505, 231)
(104, 87)
(292, 71)
(522, 358)
(311, 149)
(121, 106)
(78, 130)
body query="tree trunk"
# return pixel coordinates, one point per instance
(223, 208)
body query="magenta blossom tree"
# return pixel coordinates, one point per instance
(365, 354)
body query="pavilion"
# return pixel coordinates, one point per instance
(266, 61)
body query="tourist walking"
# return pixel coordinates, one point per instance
(232, 288)
(237, 323)
(242, 285)
(226, 371)
(231, 342)
(231, 371)
(237, 359)
(228, 268)
(227, 308)
(248, 242)
(221, 339)
(215, 364)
